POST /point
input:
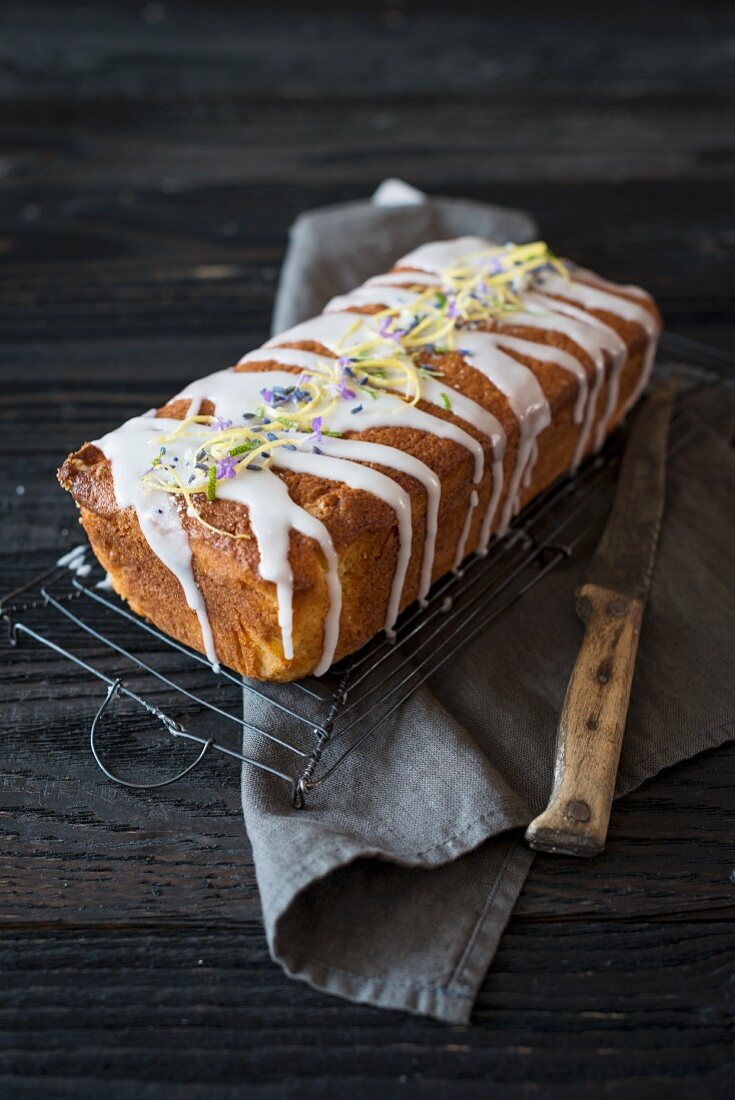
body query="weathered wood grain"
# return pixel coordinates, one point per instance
(591, 727)
(198, 1007)
(152, 157)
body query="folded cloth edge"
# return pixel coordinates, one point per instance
(451, 1002)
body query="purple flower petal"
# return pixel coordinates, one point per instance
(343, 390)
(226, 468)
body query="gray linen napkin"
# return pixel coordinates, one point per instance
(394, 886)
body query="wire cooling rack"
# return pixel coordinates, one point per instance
(301, 733)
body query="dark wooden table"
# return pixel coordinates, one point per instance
(152, 158)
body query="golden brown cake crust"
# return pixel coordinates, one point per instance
(242, 608)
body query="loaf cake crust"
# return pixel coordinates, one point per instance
(275, 516)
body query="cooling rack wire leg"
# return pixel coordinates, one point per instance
(170, 726)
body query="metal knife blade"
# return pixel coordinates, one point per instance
(623, 560)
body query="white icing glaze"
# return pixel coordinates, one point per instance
(357, 450)
(583, 275)
(588, 290)
(437, 255)
(231, 392)
(404, 278)
(387, 409)
(391, 297)
(370, 481)
(332, 331)
(599, 341)
(547, 354)
(525, 396)
(328, 329)
(543, 315)
(532, 459)
(432, 390)
(73, 557)
(273, 514)
(462, 541)
(398, 414)
(597, 297)
(287, 357)
(129, 449)
(375, 293)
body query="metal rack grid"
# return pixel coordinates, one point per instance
(325, 720)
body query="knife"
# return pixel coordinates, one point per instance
(610, 603)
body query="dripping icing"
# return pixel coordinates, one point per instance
(128, 451)
(338, 330)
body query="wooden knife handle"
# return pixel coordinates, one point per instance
(591, 727)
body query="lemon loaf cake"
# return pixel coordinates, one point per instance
(277, 514)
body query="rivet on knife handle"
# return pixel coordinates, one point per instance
(611, 605)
